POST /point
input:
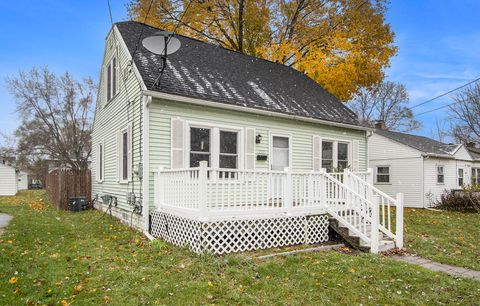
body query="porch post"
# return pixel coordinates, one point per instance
(288, 193)
(202, 188)
(323, 188)
(347, 182)
(375, 221)
(399, 221)
(159, 188)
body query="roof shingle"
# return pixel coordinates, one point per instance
(205, 71)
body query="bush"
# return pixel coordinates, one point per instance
(466, 200)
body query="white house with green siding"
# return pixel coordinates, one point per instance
(225, 152)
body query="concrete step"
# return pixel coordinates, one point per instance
(385, 243)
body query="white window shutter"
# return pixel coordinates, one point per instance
(249, 149)
(355, 156)
(177, 144)
(317, 153)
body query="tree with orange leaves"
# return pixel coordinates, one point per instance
(344, 45)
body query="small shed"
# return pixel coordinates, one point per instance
(22, 180)
(8, 180)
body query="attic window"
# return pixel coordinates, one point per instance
(112, 73)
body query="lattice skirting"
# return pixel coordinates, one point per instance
(239, 235)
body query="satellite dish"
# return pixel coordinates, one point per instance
(156, 44)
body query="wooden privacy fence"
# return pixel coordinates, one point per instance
(63, 184)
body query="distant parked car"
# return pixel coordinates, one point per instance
(35, 185)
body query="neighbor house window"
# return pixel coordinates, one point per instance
(475, 176)
(335, 156)
(460, 177)
(440, 175)
(125, 154)
(383, 174)
(112, 78)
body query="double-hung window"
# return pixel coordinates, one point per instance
(199, 146)
(112, 78)
(335, 155)
(383, 174)
(219, 147)
(100, 162)
(460, 177)
(475, 176)
(125, 154)
(228, 150)
(440, 175)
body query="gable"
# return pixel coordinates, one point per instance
(380, 148)
(463, 154)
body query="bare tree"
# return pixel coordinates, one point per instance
(440, 130)
(387, 102)
(56, 117)
(466, 114)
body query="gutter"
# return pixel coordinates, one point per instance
(202, 102)
(438, 155)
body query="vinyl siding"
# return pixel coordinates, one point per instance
(405, 168)
(110, 119)
(301, 133)
(8, 181)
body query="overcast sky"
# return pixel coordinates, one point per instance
(438, 45)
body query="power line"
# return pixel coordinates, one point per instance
(444, 94)
(110, 11)
(158, 79)
(141, 32)
(434, 110)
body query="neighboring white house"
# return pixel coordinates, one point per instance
(22, 180)
(419, 167)
(8, 180)
(225, 152)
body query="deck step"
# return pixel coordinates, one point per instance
(384, 242)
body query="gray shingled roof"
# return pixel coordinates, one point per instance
(421, 143)
(206, 71)
(474, 152)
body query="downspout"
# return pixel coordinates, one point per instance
(369, 134)
(146, 165)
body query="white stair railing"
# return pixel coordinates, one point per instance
(385, 202)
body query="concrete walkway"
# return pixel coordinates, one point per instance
(4, 220)
(438, 267)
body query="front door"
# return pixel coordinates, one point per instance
(280, 153)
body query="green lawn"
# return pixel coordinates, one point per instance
(49, 256)
(444, 236)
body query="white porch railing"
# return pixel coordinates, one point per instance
(227, 193)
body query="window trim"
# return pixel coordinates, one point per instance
(437, 174)
(389, 175)
(335, 142)
(272, 134)
(215, 129)
(100, 162)
(462, 177)
(127, 129)
(477, 175)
